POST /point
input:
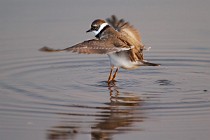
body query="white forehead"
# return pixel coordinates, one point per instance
(101, 28)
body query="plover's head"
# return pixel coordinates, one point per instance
(97, 26)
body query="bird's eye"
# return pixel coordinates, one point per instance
(95, 27)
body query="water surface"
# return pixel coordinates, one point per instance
(65, 96)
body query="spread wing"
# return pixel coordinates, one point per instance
(93, 46)
(124, 28)
(130, 34)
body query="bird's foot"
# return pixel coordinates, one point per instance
(111, 82)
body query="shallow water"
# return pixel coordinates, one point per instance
(65, 96)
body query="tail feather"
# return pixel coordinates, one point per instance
(47, 49)
(146, 63)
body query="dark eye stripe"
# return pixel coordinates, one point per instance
(95, 27)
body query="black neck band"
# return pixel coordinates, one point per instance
(99, 34)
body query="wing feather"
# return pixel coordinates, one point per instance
(124, 27)
(130, 34)
(93, 46)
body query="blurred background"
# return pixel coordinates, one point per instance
(64, 96)
(27, 24)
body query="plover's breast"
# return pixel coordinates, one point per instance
(122, 60)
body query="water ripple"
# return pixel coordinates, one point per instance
(72, 91)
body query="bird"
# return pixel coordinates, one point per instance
(116, 38)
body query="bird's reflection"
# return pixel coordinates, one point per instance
(123, 106)
(123, 110)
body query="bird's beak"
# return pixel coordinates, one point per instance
(90, 30)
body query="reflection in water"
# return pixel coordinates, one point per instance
(119, 115)
(164, 82)
(62, 133)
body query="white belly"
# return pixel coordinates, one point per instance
(122, 61)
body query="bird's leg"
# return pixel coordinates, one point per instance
(110, 74)
(115, 74)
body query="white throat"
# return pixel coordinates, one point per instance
(101, 28)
